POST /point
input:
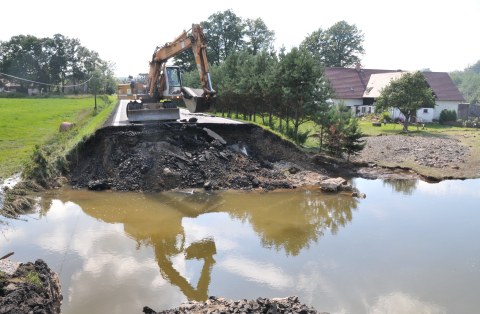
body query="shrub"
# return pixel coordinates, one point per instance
(460, 120)
(386, 116)
(13, 95)
(448, 115)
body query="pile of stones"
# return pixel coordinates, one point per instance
(214, 305)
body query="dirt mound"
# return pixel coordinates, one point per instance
(168, 156)
(216, 305)
(32, 288)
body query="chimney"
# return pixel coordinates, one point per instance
(357, 67)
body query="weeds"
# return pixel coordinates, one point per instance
(32, 277)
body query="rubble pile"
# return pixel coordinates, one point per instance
(29, 288)
(216, 305)
(183, 156)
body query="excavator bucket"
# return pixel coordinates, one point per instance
(197, 101)
(141, 112)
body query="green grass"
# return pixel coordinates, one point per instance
(392, 128)
(26, 122)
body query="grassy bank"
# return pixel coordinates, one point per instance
(27, 123)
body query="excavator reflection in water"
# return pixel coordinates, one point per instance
(283, 221)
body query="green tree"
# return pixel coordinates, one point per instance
(258, 35)
(305, 87)
(407, 94)
(224, 31)
(339, 46)
(352, 143)
(23, 56)
(468, 82)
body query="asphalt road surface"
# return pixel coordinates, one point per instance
(119, 116)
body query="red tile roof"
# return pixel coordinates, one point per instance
(443, 86)
(345, 79)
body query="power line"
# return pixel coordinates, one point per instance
(19, 78)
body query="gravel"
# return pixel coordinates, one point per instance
(425, 151)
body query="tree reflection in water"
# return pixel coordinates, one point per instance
(288, 221)
(402, 186)
(293, 223)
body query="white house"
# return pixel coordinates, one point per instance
(358, 88)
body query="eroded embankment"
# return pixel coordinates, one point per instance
(214, 156)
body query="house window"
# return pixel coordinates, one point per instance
(369, 109)
(364, 109)
(425, 110)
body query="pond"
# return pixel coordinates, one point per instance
(409, 247)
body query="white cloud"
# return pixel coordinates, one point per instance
(264, 273)
(401, 303)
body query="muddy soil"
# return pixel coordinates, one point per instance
(216, 305)
(31, 288)
(214, 156)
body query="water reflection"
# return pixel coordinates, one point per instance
(292, 223)
(405, 187)
(288, 222)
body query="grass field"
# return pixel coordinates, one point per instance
(25, 122)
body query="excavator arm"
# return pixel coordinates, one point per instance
(199, 100)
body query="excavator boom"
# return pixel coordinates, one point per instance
(164, 82)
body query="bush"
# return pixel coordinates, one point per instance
(386, 116)
(460, 120)
(13, 95)
(448, 115)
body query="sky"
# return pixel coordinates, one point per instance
(408, 35)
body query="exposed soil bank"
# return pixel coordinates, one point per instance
(30, 288)
(216, 305)
(214, 156)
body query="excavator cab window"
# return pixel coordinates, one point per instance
(173, 76)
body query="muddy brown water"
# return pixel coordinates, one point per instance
(409, 247)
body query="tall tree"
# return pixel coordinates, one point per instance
(339, 46)
(22, 56)
(305, 86)
(224, 31)
(407, 94)
(258, 35)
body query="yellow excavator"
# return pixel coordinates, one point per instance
(164, 82)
